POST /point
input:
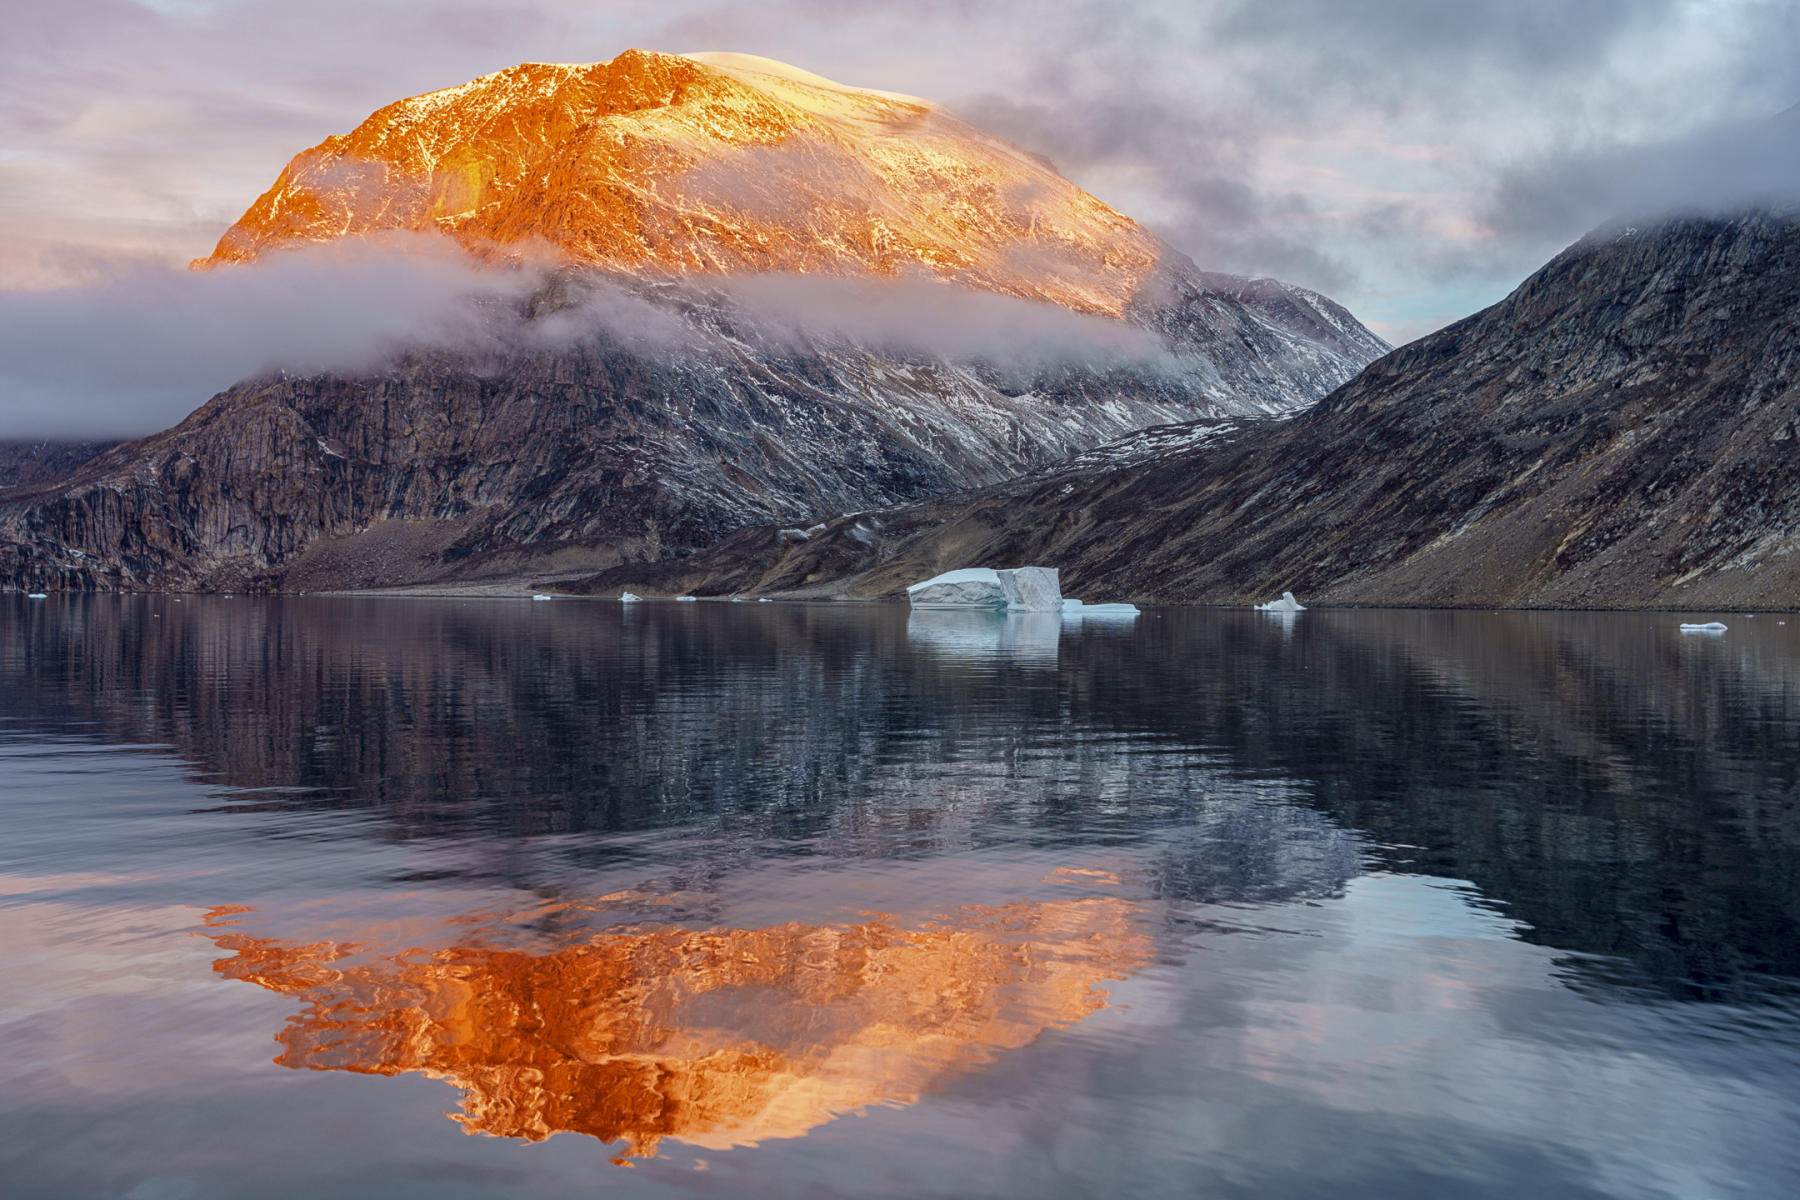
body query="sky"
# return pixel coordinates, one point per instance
(1413, 159)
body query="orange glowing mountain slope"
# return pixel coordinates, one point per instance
(717, 1038)
(707, 163)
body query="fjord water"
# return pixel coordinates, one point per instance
(430, 897)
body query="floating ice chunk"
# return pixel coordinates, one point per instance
(1019, 589)
(1080, 611)
(737, 599)
(541, 596)
(1709, 627)
(971, 587)
(37, 595)
(686, 599)
(628, 598)
(1032, 589)
(1287, 604)
(764, 600)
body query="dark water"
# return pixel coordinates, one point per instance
(317, 897)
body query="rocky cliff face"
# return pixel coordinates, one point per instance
(1620, 431)
(691, 188)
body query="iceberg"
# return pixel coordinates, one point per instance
(1287, 604)
(1018, 589)
(1709, 627)
(541, 596)
(686, 599)
(1077, 610)
(37, 595)
(628, 597)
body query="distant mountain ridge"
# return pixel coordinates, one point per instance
(1620, 431)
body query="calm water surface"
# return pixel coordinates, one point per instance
(308, 897)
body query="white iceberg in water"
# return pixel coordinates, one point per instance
(1287, 604)
(1081, 611)
(627, 597)
(1709, 627)
(1019, 589)
(686, 599)
(37, 595)
(541, 596)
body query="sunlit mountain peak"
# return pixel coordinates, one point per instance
(707, 163)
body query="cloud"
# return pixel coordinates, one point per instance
(139, 351)
(1725, 168)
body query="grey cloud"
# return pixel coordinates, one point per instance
(138, 352)
(1725, 168)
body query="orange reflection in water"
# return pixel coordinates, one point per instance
(717, 1038)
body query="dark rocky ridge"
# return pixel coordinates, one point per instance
(1621, 431)
(31, 464)
(578, 456)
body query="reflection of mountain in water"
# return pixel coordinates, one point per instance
(1620, 791)
(717, 1038)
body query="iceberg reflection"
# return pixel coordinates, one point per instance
(1024, 637)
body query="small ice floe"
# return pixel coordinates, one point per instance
(37, 595)
(1080, 611)
(686, 599)
(1017, 589)
(628, 598)
(541, 596)
(1287, 604)
(737, 599)
(764, 600)
(1708, 627)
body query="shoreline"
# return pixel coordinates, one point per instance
(512, 589)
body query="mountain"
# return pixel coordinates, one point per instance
(675, 166)
(731, 259)
(40, 462)
(1620, 431)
